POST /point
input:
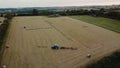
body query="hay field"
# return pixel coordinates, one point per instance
(30, 47)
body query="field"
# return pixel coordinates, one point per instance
(107, 23)
(30, 47)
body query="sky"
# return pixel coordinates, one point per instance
(53, 3)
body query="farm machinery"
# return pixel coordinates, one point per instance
(56, 47)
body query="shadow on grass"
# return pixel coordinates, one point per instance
(112, 61)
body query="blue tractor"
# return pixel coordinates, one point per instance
(55, 47)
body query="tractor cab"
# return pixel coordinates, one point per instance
(55, 47)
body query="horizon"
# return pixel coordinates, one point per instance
(55, 3)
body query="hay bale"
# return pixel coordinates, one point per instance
(24, 27)
(7, 46)
(4, 66)
(88, 56)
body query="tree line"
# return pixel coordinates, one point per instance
(4, 26)
(109, 13)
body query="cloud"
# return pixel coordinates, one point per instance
(42, 3)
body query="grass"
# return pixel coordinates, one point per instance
(112, 61)
(107, 23)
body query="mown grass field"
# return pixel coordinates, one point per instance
(107, 23)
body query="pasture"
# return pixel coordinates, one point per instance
(106, 23)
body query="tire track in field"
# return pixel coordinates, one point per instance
(58, 30)
(38, 28)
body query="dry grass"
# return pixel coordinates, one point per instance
(31, 47)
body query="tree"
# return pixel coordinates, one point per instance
(35, 12)
(8, 15)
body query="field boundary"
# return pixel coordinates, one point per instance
(4, 40)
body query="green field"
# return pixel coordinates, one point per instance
(107, 23)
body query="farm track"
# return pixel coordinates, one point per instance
(30, 47)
